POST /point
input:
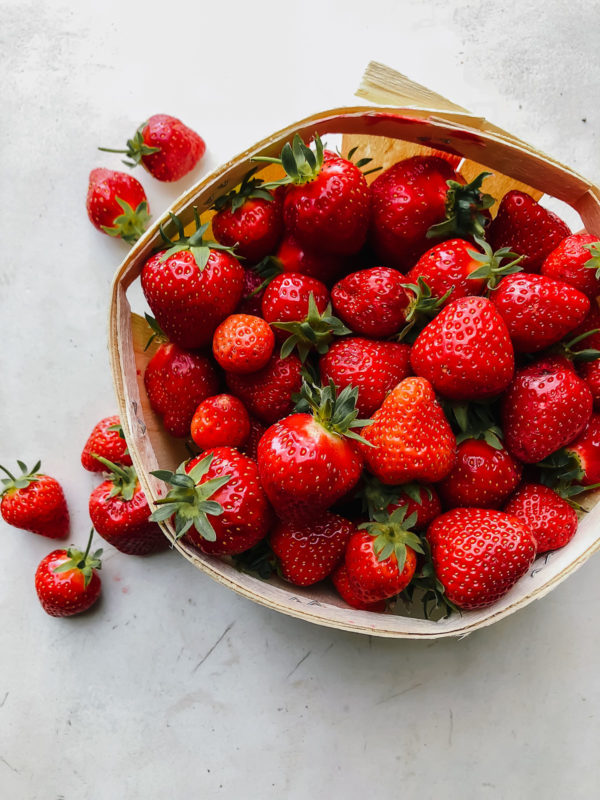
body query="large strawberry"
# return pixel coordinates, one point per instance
(268, 393)
(410, 437)
(67, 581)
(373, 302)
(117, 204)
(192, 286)
(479, 554)
(220, 421)
(243, 343)
(576, 261)
(106, 440)
(465, 352)
(551, 519)
(34, 502)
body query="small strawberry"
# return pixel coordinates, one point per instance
(584, 348)
(417, 498)
(345, 590)
(67, 581)
(308, 552)
(243, 343)
(550, 518)
(465, 352)
(373, 302)
(479, 554)
(527, 228)
(576, 261)
(220, 421)
(293, 257)
(120, 513)
(254, 286)
(117, 204)
(584, 453)
(287, 296)
(107, 440)
(166, 147)
(411, 438)
(34, 502)
(267, 394)
(250, 446)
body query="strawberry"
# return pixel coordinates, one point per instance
(67, 581)
(411, 438)
(217, 502)
(544, 408)
(326, 203)
(345, 590)
(308, 552)
(250, 218)
(176, 382)
(243, 343)
(287, 296)
(252, 293)
(587, 339)
(538, 311)
(479, 554)
(220, 421)
(373, 302)
(576, 261)
(120, 513)
(308, 461)
(192, 286)
(419, 195)
(107, 440)
(117, 204)
(166, 147)
(465, 352)
(551, 519)
(374, 368)
(418, 499)
(250, 446)
(268, 393)
(293, 257)
(584, 453)
(34, 502)
(524, 226)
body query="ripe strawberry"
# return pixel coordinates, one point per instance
(166, 147)
(326, 203)
(551, 519)
(374, 368)
(250, 218)
(117, 204)
(250, 446)
(107, 440)
(252, 293)
(268, 393)
(584, 453)
(479, 554)
(538, 311)
(287, 296)
(34, 502)
(293, 257)
(176, 382)
(67, 581)
(580, 348)
(308, 552)
(576, 261)
(526, 228)
(217, 502)
(418, 499)
(243, 343)
(411, 438)
(120, 513)
(192, 286)
(220, 421)
(544, 408)
(345, 590)
(465, 352)
(416, 195)
(373, 302)
(483, 476)
(308, 461)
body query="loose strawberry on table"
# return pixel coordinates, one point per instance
(576, 261)
(550, 518)
(106, 440)
(243, 343)
(67, 581)
(34, 502)
(220, 421)
(267, 394)
(117, 204)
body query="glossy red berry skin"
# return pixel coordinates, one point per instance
(568, 263)
(243, 343)
(267, 394)
(346, 591)
(286, 298)
(251, 303)
(372, 579)
(427, 510)
(64, 594)
(254, 229)
(585, 449)
(124, 523)
(551, 519)
(250, 446)
(373, 302)
(181, 148)
(106, 187)
(106, 443)
(220, 421)
(447, 267)
(40, 508)
(293, 257)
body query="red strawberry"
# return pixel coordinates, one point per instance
(308, 461)
(243, 343)
(251, 302)
(192, 286)
(117, 204)
(544, 409)
(345, 590)
(479, 554)
(120, 513)
(292, 257)
(411, 436)
(551, 519)
(220, 421)
(268, 393)
(418, 499)
(374, 368)
(286, 297)
(166, 147)
(538, 311)
(326, 204)
(465, 352)
(483, 476)
(250, 446)
(526, 228)
(576, 261)
(217, 502)
(373, 302)
(176, 382)
(107, 440)
(588, 370)
(414, 195)
(34, 502)
(585, 453)
(308, 552)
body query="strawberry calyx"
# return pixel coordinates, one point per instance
(594, 261)
(492, 270)
(422, 307)
(392, 535)
(189, 501)
(136, 148)
(195, 243)
(259, 560)
(430, 591)
(562, 472)
(337, 413)
(85, 562)
(158, 335)
(124, 479)
(315, 332)
(464, 204)
(473, 421)
(131, 224)
(362, 162)
(301, 163)
(270, 267)
(566, 348)
(13, 483)
(250, 187)
(376, 497)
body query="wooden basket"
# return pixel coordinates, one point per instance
(417, 121)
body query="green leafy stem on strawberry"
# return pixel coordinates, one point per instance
(300, 163)
(250, 187)
(85, 562)
(473, 421)
(464, 206)
(315, 332)
(336, 413)
(195, 243)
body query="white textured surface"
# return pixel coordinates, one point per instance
(174, 687)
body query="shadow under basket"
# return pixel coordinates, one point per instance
(414, 121)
